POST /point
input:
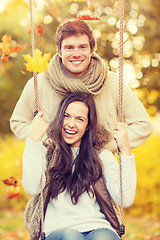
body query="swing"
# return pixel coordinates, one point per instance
(120, 104)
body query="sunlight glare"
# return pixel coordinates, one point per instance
(3, 4)
(40, 2)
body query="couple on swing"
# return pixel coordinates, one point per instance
(74, 147)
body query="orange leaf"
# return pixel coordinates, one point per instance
(29, 30)
(40, 30)
(5, 58)
(16, 49)
(10, 195)
(87, 17)
(12, 181)
(5, 44)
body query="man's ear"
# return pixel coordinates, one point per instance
(93, 50)
(59, 52)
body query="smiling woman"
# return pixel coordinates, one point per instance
(73, 174)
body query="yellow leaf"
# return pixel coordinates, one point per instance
(37, 63)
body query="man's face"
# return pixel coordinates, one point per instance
(76, 54)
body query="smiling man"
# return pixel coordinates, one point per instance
(76, 67)
(76, 54)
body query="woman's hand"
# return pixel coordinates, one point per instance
(38, 127)
(121, 137)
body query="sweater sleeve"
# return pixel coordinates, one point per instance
(34, 164)
(139, 124)
(111, 173)
(23, 113)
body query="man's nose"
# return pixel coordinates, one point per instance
(76, 52)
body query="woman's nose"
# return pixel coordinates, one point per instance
(71, 123)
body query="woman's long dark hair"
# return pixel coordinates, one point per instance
(73, 175)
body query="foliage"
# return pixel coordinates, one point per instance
(141, 43)
(148, 184)
(11, 151)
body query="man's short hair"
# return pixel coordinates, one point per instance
(74, 27)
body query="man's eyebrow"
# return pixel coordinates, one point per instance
(70, 45)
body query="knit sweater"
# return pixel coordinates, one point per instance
(134, 114)
(85, 215)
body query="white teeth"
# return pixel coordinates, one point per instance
(70, 132)
(76, 62)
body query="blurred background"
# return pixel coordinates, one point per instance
(141, 72)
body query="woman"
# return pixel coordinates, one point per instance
(73, 166)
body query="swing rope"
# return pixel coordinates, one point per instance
(120, 107)
(36, 109)
(36, 95)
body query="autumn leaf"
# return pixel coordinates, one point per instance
(87, 17)
(29, 30)
(11, 181)
(40, 30)
(37, 63)
(12, 192)
(5, 58)
(17, 48)
(5, 44)
(10, 195)
(6, 49)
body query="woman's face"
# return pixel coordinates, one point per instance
(75, 123)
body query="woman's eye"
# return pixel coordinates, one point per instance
(80, 120)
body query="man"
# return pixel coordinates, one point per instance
(76, 67)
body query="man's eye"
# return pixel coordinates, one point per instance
(66, 116)
(69, 47)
